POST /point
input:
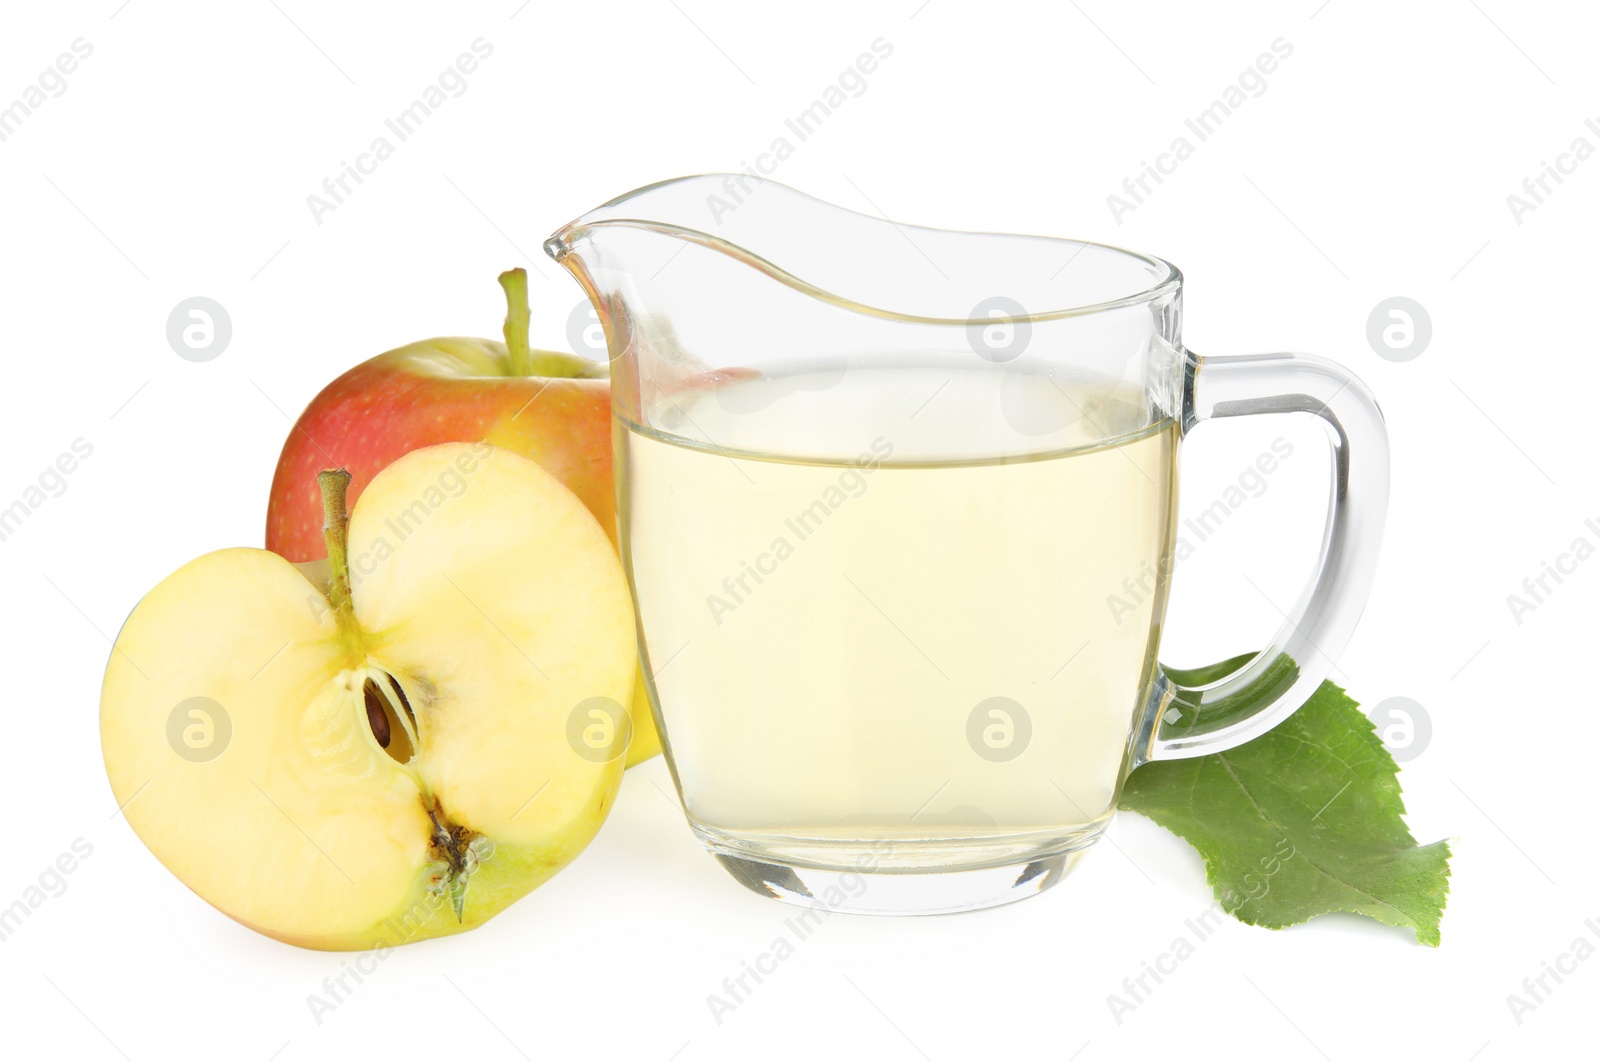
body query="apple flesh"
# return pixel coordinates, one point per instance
(553, 408)
(380, 753)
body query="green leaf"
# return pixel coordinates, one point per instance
(1301, 821)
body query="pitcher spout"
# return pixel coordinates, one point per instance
(699, 277)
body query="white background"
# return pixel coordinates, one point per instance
(1377, 163)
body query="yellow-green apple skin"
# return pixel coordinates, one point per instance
(453, 390)
(496, 602)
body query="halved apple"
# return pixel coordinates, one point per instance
(400, 745)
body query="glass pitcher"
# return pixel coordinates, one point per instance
(897, 506)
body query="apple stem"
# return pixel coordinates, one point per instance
(334, 482)
(515, 283)
(525, 361)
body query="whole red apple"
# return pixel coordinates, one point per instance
(554, 408)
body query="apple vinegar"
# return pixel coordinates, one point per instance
(891, 602)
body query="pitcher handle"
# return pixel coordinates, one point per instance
(1184, 720)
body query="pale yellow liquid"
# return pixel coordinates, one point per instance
(821, 628)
